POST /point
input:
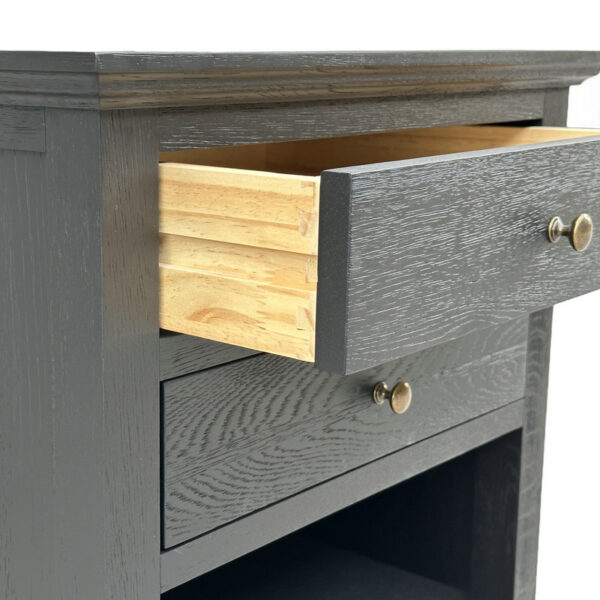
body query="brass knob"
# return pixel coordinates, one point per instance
(579, 232)
(399, 397)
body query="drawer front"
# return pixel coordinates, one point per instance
(417, 252)
(245, 435)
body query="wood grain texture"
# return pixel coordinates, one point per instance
(238, 246)
(238, 257)
(131, 354)
(278, 426)
(540, 62)
(255, 315)
(79, 430)
(441, 246)
(532, 455)
(556, 106)
(137, 80)
(311, 157)
(240, 537)
(73, 62)
(300, 568)
(22, 129)
(75, 90)
(79, 417)
(252, 208)
(534, 426)
(263, 265)
(217, 126)
(225, 171)
(166, 61)
(494, 519)
(183, 354)
(51, 366)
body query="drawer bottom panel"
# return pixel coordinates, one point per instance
(245, 435)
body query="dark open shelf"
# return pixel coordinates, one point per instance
(410, 542)
(300, 568)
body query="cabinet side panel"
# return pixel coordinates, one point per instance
(22, 129)
(51, 410)
(79, 422)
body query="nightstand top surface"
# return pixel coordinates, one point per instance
(107, 62)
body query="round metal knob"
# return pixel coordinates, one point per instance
(579, 232)
(399, 397)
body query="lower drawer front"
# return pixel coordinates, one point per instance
(240, 437)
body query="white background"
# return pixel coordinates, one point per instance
(570, 529)
(570, 526)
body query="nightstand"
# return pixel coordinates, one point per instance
(277, 325)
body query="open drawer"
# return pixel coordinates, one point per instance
(355, 251)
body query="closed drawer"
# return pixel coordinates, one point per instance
(290, 249)
(240, 437)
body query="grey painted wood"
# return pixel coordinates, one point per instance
(532, 450)
(240, 537)
(125, 62)
(73, 62)
(532, 455)
(301, 568)
(79, 422)
(556, 105)
(506, 519)
(130, 80)
(430, 524)
(421, 525)
(494, 519)
(79, 417)
(49, 89)
(183, 354)
(274, 426)
(42, 355)
(231, 125)
(131, 356)
(416, 252)
(541, 63)
(22, 129)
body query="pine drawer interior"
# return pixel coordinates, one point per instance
(239, 228)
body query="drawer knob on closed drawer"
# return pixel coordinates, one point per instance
(399, 397)
(579, 232)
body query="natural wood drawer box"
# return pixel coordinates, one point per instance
(440, 232)
(245, 435)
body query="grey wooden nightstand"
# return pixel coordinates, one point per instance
(396, 243)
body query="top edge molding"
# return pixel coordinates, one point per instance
(158, 80)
